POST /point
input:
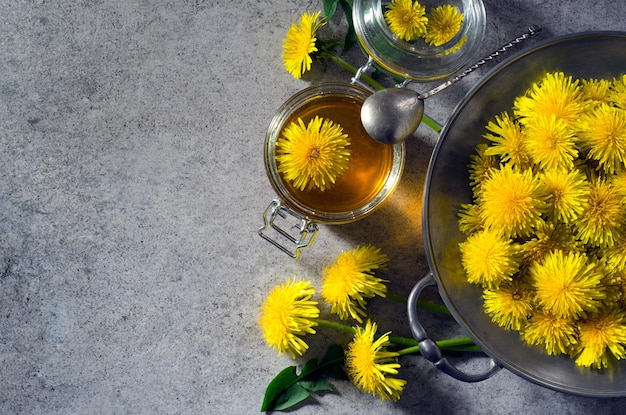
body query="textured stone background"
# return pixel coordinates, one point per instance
(131, 187)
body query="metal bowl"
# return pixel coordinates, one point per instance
(583, 55)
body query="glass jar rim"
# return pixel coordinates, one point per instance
(294, 103)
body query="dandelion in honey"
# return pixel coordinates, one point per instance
(511, 201)
(371, 367)
(299, 44)
(314, 155)
(567, 284)
(555, 334)
(350, 281)
(287, 314)
(603, 137)
(444, 22)
(489, 258)
(508, 141)
(406, 19)
(601, 339)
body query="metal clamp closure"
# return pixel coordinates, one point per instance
(287, 230)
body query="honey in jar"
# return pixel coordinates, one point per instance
(374, 168)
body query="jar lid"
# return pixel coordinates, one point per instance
(417, 60)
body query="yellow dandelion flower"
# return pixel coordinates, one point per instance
(511, 201)
(555, 95)
(489, 259)
(602, 221)
(454, 49)
(313, 156)
(617, 92)
(350, 281)
(616, 255)
(287, 314)
(600, 337)
(548, 237)
(611, 280)
(469, 219)
(595, 90)
(603, 136)
(510, 305)
(568, 192)
(621, 286)
(508, 141)
(370, 365)
(444, 22)
(556, 335)
(619, 184)
(406, 19)
(566, 284)
(551, 143)
(299, 44)
(481, 165)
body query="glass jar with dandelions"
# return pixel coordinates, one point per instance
(420, 40)
(321, 161)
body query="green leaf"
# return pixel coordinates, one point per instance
(330, 7)
(318, 385)
(331, 363)
(350, 39)
(309, 367)
(278, 385)
(289, 389)
(293, 396)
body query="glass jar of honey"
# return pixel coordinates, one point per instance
(373, 173)
(419, 60)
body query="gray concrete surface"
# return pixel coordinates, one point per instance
(132, 185)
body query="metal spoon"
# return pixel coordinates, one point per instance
(391, 115)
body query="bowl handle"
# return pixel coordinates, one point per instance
(429, 349)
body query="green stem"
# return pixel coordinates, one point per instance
(410, 344)
(420, 304)
(342, 328)
(378, 86)
(431, 123)
(458, 344)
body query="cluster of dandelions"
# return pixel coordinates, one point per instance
(290, 312)
(408, 20)
(546, 230)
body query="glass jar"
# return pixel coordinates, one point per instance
(417, 60)
(373, 173)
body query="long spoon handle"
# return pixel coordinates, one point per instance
(532, 31)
